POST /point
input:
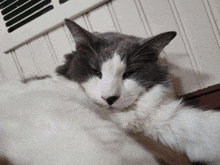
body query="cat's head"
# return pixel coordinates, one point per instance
(115, 69)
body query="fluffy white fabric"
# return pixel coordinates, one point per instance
(53, 122)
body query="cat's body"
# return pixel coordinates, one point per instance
(119, 77)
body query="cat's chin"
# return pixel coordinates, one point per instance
(117, 108)
(114, 108)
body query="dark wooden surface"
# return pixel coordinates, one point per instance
(208, 98)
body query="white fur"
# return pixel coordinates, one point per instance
(190, 130)
(112, 84)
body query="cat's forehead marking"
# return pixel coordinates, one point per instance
(113, 65)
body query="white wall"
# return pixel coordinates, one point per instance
(193, 56)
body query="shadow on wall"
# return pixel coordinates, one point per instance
(182, 78)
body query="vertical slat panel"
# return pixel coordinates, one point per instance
(160, 18)
(9, 66)
(42, 56)
(215, 9)
(51, 49)
(128, 17)
(18, 65)
(82, 22)
(87, 22)
(101, 20)
(113, 16)
(201, 38)
(60, 43)
(214, 6)
(2, 71)
(26, 61)
(2, 74)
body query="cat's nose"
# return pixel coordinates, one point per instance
(111, 100)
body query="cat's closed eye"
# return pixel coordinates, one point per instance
(97, 72)
(127, 74)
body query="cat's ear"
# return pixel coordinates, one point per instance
(152, 47)
(82, 37)
(158, 42)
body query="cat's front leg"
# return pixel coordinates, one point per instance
(129, 121)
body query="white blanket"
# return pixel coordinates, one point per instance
(52, 123)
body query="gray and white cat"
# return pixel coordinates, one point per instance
(120, 77)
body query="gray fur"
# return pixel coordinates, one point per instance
(139, 54)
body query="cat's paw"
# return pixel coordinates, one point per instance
(129, 122)
(134, 127)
